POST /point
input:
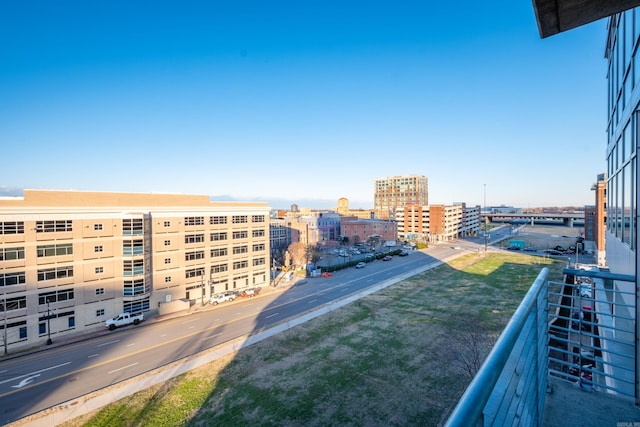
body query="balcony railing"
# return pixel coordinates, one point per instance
(592, 331)
(510, 386)
(581, 331)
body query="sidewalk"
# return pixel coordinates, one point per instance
(61, 341)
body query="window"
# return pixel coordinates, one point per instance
(98, 248)
(22, 332)
(258, 233)
(133, 267)
(258, 261)
(42, 328)
(191, 256)
(133, 287)
(167, 242)
(218, 220)
(194, 272)
(97, 227)
(54, 250)
(8, 254)
(132, 247)
(100, 312)
(219, 268)
(217, 252)
(194, 220)
(13, 303)
(10, 279)
(55, 273)
(53, 226)
(136, 306)
(167, 260)
(167, 279)
(257, 218)
(99, 270)
(167, 223)
(240, 264)
(259, 247)
(12, 227)
(218, 236)
(239, 219)
(55, 296)
(240, 250)
(194, 238)
(240, 234)
(132, 227)
(100, 291)
(71, 322)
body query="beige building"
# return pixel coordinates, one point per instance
(70, 260)
(343, 210)
(437, 223)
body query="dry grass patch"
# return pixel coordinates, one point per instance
(402, 356)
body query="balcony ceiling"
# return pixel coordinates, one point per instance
(556, 16)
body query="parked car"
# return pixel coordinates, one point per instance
(360, 265)
(123, 319)
(387, 258)
(403, 253)
(231, 295)
(249, 292)
(326, 274)
(219, 298)
(552, 252)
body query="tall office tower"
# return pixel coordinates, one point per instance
(396, 192)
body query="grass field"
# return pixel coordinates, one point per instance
(401, 356)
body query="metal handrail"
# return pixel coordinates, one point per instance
(470, 407)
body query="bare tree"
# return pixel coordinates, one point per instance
(298, 253)
(467, 343)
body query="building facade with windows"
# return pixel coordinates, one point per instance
(396, 192)
(356, 230)
(437, 223)
(70, 260)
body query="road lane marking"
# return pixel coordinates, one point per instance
(344, 289)
(107, 343)
(34, 372)
(212, 336)
(92, 355)
(312, 301)
(135, 352)
(191, 320)
(25, 381)
(124, 367)
(131, 345)
(163, 335)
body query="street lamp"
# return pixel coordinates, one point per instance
(49, 342)
(4, 307)
(202, 290)
(486, 236)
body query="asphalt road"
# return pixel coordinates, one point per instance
(44, 379)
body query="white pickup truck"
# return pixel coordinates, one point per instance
(123, 319)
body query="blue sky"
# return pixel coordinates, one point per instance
(301, 101)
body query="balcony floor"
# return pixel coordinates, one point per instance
(567, 404)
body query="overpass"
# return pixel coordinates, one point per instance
(568, 219)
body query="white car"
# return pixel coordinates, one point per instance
(360, 265)
(219, 298)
